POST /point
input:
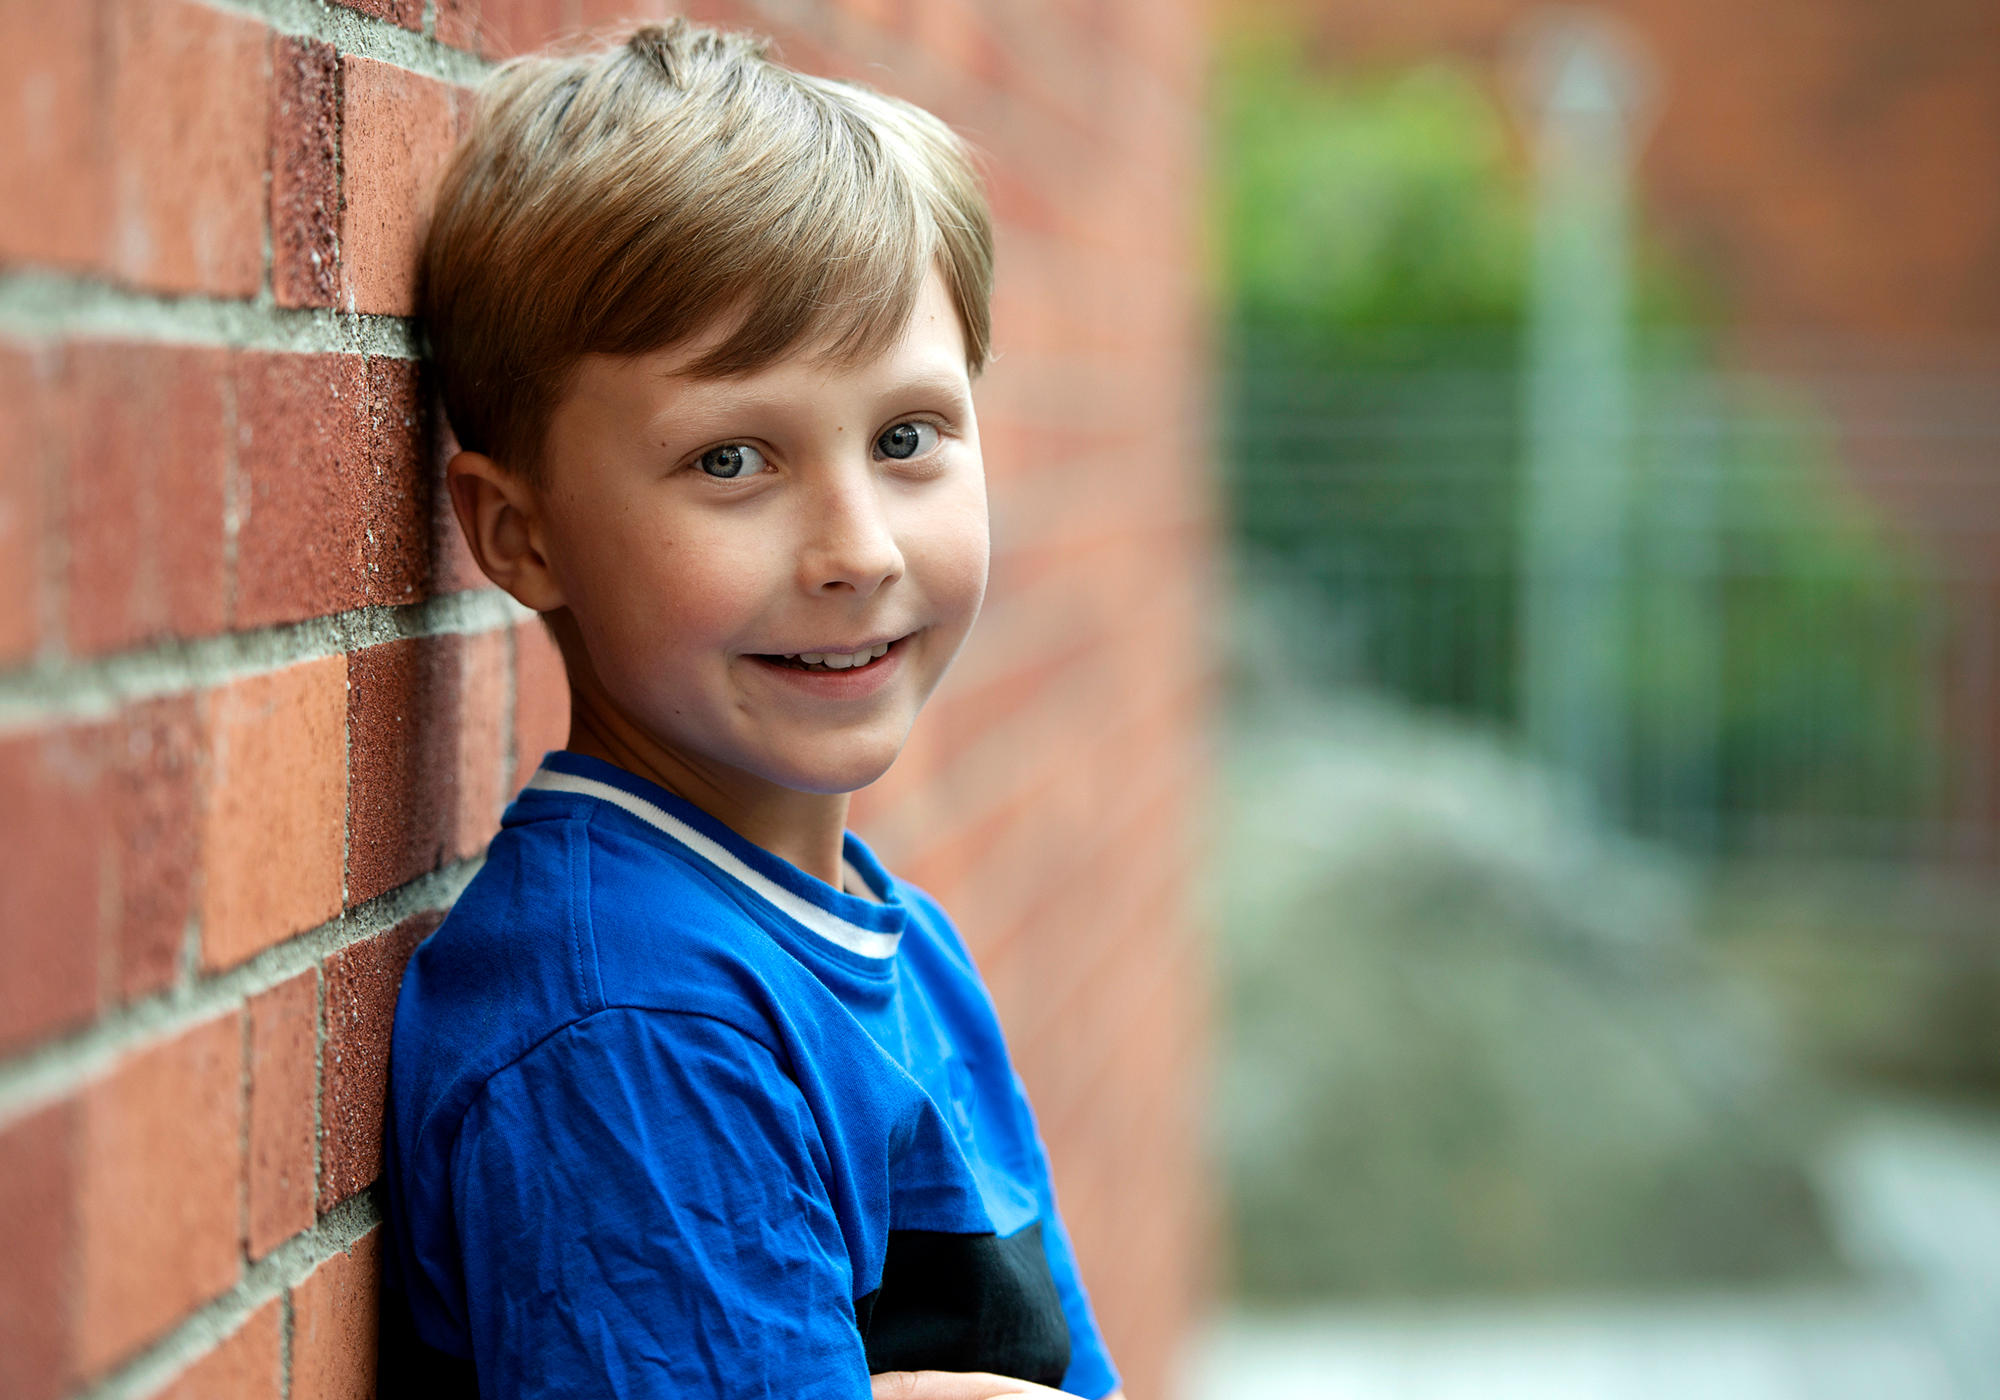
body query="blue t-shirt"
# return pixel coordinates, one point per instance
(670, 1117)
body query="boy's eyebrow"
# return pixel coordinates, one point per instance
(942, 383)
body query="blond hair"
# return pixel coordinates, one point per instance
(624, 200)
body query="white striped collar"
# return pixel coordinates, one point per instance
(869, 943)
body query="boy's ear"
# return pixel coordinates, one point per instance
(502, 520)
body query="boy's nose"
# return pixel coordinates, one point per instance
(849, 545)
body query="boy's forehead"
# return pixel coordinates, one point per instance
(927, 358)
(927, 363)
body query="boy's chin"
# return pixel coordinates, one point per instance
(830, 778)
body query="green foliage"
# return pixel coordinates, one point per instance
(1374, 235)
(1361, 205)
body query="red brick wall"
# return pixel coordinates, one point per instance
(258, 715)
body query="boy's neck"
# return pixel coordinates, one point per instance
(806, 828)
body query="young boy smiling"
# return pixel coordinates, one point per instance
(688, 1095)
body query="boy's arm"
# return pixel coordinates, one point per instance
(958, 1385)
(641, 1211)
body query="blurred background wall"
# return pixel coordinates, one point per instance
(258, 715)
(1609, 398)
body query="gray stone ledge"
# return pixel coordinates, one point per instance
(56, 688)
(45, 1073)
(48, 305)
(350, 31)
(283, 1268)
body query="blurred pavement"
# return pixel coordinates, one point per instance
(1915, 1194)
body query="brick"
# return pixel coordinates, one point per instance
(23, 467)
(35, 1155)
(305, 171)
(53, 850)
(397, 130)
(333, 1324)
(273, 801)
(483, 741)
(146, 467)
(596, 15)
(503, 28)
(158, 1166)
(189, 113)
(403, 712)
(98, 848)
(153, 762)
(396, 552)
(890, 15)
(954, 32)
(248, 1365)
(361, 985)
(541, 699)
(284, 1083)
(52, 185)
(408, 13)
(302, 452)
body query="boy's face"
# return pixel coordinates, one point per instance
(705, 534)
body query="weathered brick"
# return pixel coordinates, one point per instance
(302, 452)
(248, 1365)
(52, 180)
(361, 984)
(35, 1165)
(954, 32)
(403, 713)
(53, 850)
(458, 24)
(24, 448)
(541, 699)
(397, 129)
(158, 1165)
(155, 754)
(408, 13)
(97, 857)
(396, 553)
(599, 15)
(890, 15)
(189, 113)
(333, 1325)
(305, 171)
(483, 740)
(502, 28)
(146, 469)
(272, 806)
(284, 1080)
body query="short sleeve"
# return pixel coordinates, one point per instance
(642, 1211)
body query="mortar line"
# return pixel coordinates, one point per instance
(273, 1276)
(52, 688)
(350, 31)
(39, 304)
(287, 1327)
(44, 1073)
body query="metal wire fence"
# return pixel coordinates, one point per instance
(1804, 591)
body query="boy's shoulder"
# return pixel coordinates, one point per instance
(572, 915)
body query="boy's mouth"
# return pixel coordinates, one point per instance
(830, 660)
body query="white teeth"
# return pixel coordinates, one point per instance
(838, 661)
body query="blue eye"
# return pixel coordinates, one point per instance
(907, 440)
(733, 462)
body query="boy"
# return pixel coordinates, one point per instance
(689, 1096)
